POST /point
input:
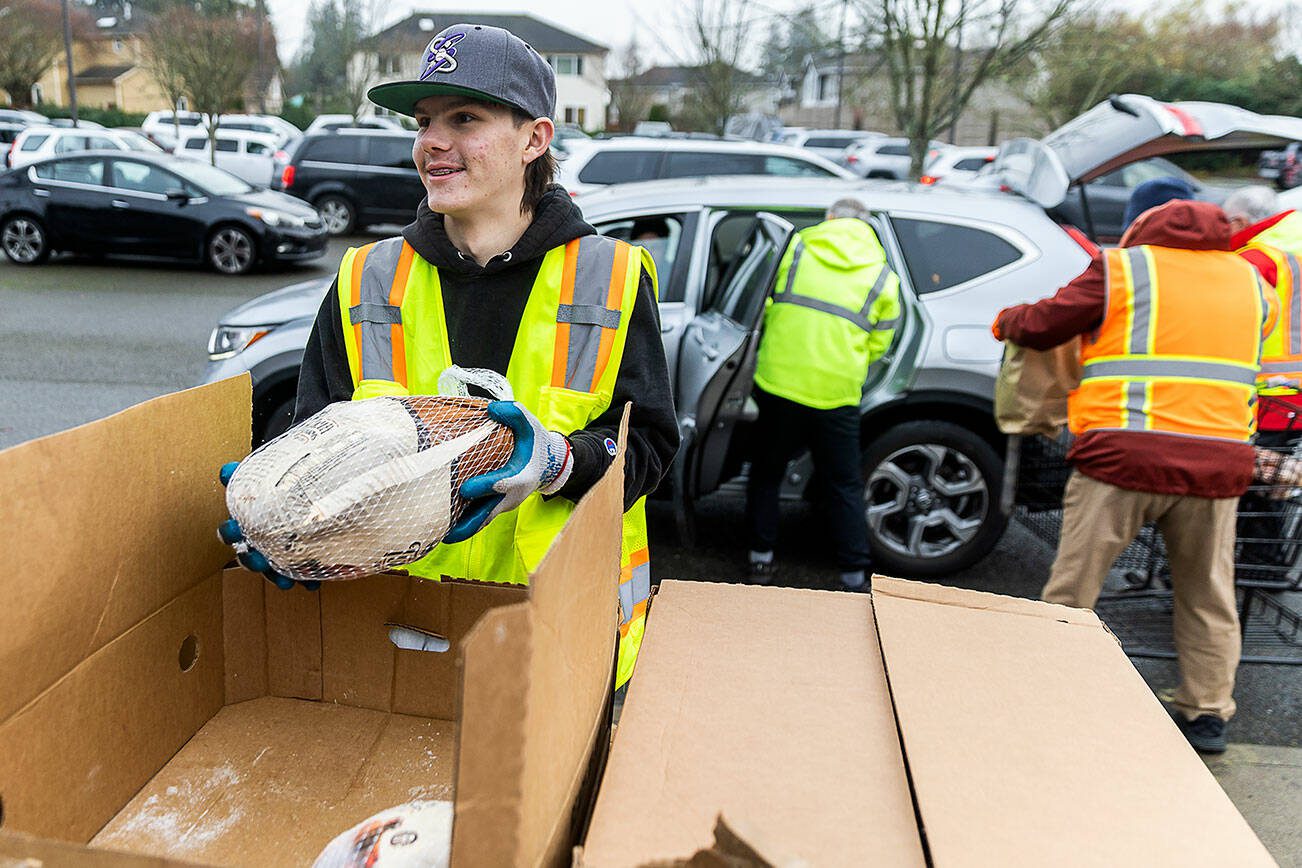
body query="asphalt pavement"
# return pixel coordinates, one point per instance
(81, 339)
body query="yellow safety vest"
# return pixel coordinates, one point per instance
(834, 312)
(1281, 352)
(563, 368)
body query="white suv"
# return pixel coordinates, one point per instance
(269, 125)
(37, 143)
(601, 162)
(243, 153)
(164, 127)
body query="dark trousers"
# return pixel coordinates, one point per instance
(832, 436)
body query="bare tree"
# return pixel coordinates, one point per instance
(718, 36)
(938, 52)
(164, 44)
(629, 102)
(214, 61)
(31, 37)
(362, 59)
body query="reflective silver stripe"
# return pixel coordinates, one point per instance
(377, 337)
(592, 272)
(588, 314)
(791, 269)
(1142, 308)
(825, 307)
(636, 590)
(885, 325)
(1295, 306)
(1280, 367)
(1136, 418)
(369, 311)
(882, 277)
(1170, 368)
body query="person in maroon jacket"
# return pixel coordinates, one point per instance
(1124, 477)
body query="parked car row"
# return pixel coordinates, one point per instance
(1283, 168)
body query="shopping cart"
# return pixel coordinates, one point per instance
(1136, 603)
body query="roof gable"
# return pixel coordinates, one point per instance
(546, 38)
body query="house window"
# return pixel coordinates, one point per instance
(117, 46)
(576, 115)
(38, 94)
(566, 64)
(182, 104)
(827, 87)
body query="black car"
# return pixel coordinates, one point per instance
(1109, 194)
(354, 177)
(138, 204)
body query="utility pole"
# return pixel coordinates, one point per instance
(67, 52)
(840, 67)
(259, 78)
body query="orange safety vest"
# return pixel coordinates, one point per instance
(1281, 353)
(1179, 346)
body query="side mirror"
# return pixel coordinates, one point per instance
(177, 195)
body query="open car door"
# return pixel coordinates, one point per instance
(1125, 129)
(716, 364)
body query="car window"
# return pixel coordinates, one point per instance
(894, 150)
(1145, 170)
(68, 144)
(195, 144)
(391, 152)
(970, 164)
(334, 149)
(826, 142)
(32, 143)
(662, 236)
(228, 146)
(99, 143)
(794, 168)
(142, 178)
(88, 171)
(743, 287)
(256, 148)
(941, 255)
(615, 167)
(696, 164)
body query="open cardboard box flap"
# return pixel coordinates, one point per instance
(151, 702)
(919, 724)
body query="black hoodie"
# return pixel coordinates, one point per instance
(483, 306)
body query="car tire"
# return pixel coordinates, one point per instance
(337, 214)
(931, 498)
(232, 250)
(25, 240)
(276, 422)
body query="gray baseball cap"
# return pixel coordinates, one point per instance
(477, 61)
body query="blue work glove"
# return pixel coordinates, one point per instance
(249, 557)
(542, 461)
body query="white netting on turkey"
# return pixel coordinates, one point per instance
(366, 486)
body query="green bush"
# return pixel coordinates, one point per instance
(108, 117)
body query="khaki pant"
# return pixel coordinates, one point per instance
(1098, 522)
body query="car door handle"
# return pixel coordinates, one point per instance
(44, 194)
(710, 352)
(120, 203)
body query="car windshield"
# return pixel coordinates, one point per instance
(137, 142)
(210, 178)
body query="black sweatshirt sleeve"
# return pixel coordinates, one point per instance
(643, 380)
(653, 425)
(324, 377)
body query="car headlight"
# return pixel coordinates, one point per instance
(276, 218)
(226, 341)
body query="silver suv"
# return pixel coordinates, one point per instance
(933, 459)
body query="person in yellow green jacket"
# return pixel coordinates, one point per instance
(834, 310)
(499, 270)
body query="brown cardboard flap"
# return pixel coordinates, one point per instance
(535, 681)
(102, 524)
(72, 758)
(1033, 740)
(25, 851)
(884, 586)
(271, 781)
(770, 706)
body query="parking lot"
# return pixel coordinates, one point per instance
(82, 339)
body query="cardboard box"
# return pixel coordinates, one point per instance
(919, 725)
(153, 704)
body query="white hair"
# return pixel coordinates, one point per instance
(1254, 204)
(849, 207)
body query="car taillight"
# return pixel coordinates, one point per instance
(1290, 160)
(1080, 238)
(286, 177)
(281, 156)
(851, 159)
(928, 179)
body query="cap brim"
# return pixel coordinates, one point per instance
(402, 96)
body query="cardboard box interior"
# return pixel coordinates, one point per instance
(919, 725)
(152, 703)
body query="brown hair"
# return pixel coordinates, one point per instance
(539, 174)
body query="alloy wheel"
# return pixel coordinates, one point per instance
(336, 215)
(926, 500)
(23, 240)
(231, 251)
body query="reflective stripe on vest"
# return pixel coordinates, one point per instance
(1177, 351)
(1282, 350)
(860, 318)
(563, 368)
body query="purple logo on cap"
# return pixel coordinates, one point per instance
(441, 54)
